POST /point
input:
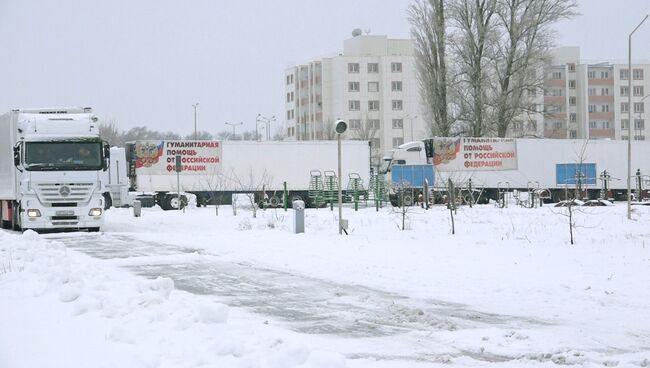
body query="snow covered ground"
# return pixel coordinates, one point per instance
(173, 289)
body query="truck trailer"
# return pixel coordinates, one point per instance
(550, 167)
(214, 171)
(51, 169)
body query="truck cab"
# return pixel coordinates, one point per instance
(409, 153)
(58, 165)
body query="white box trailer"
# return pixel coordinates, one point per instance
(51, 165)
(553, 165)
(214, 170)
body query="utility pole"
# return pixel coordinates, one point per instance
(195, 106)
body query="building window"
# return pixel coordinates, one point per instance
(604, 75)
(373, 86)
(604, 91)
(355, 123)
(353, 67)
(623, 137)
(591, 91)
(625, 74)
(556, 75)
(572, 67)
(353, 86)
(373, 67)
(398, 141)
(593, 124)
(396, 67)
(637, 74)
(557, 124)
(639, 137)
(532, 92)
(638, 107)
(555, 92)
(572, 100)
(375, 143)
(592, 108)
(288, 114)
(639, 124)
(572, 84)
(288, 97)
(604, 108)
(625, 107)
(625, 123)
(373, 105)
(605, 124)
(572, 117)
(573, 134)
(397, 105)
(398, 123)
(591, 75)
(396, 86)
(373, 124)
(624, 91)
(638, 91)
(354, 105)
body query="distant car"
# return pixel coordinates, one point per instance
(598, 202)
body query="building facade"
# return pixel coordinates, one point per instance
(372, 86)
(589, 100)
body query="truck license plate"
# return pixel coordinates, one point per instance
(65, 213)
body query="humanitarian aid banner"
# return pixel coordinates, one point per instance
(471, 154)
(159, 157)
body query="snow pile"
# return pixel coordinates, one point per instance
(81, 312)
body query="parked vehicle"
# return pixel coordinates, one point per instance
(552, 169)
(51, 169)
(215, 170)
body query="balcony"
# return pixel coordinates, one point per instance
(601, 99)
(555, 100)
(555, 133)
(602, 115)
(600, 82)
(555, 83)
(601, 133)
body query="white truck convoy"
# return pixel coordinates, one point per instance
(51, 169)
(57, 174)
(547, 167)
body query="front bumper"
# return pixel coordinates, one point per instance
(52, 218)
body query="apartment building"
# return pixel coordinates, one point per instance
(372, 85)
(590, 100)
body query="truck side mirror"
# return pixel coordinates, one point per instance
(107, 155)
(17, 156)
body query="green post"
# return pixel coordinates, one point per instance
(285, 194)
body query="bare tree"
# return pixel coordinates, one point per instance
(428, 28)
(200, 135)
(250, 185)
(522, 49)
(109, 132)
(473, 20)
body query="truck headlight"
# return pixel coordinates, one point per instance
(31, 213)
(95, 212)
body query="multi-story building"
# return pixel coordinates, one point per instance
(372, 85)
(590, 100)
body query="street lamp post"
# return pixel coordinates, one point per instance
(267, 122)
(341, 127)
(195, 106)
(629, 125)
(234, 125)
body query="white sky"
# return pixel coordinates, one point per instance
(146, 62)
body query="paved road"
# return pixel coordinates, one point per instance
(301, 303)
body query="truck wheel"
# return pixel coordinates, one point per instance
(274, 201)
(108, 201)
(15, 217)
(176, 203)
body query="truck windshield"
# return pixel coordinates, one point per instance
(63, 156)
(385, 165)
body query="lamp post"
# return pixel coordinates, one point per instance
(257, 121)
(195, 106)
(267, 122)
(629, 125)
(234, 125)
(341, 127)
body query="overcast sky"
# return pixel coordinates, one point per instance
(145, 62)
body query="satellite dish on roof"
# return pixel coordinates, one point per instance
(356, 32)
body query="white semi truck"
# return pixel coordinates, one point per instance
(552, 166)
(51, 168)
(215, 170)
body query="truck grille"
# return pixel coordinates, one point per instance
(64, 193)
